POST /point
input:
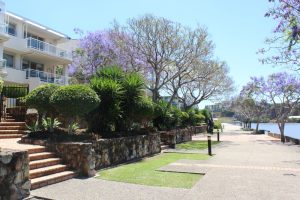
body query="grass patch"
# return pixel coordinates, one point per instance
(144, 172)
(194, 145)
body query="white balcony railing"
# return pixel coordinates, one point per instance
(47, 77)
(47, 48)
(3, 28)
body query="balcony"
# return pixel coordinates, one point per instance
(48, 49)
(47, 77)
(3, 33)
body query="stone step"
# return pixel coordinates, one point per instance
(12, 132)
(45, 171)
(163, 147)
(9, 136)
(44, 163)
(12, 123)
(12, 128)
(9, 120)
(40, 156)
(36, 150)
(51, 179)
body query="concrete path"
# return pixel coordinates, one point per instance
(245, 167)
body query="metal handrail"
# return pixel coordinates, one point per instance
(48, 48)
(47, 76)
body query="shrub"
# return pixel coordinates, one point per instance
(217, 124)
(168, 117)
(49, 124)
(133, 85)
(206, 114)
(74, 100)
(144, 112)
(103, 118)
(14, 91)
(39, 98)
(121, 100)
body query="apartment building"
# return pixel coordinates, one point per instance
(31, 53)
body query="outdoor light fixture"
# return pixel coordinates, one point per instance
(56, 33)
(34, 24)
(15, 16)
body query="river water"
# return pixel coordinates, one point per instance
(291, 129)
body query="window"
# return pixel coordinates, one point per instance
(11, 29)
(26, 64)
(9, 60)
(28, 35)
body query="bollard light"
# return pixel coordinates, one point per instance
(209, 144)
(218, 136)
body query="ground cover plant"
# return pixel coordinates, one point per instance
(145, 172)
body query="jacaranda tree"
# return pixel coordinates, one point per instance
(282, 92)
(283, 46)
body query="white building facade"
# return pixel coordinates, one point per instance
(30, 53)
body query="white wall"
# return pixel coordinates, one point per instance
(16, 76)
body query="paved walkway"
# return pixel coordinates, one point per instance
(244, 167)
(14, 144)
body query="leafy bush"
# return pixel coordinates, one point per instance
(14, 91)
(121, 100)
(103, 118)
(217, 124)
(168, 117)
(206, 114)
(144, 112)
(74, 100)
(133, 85)
(33, 128)
(49, 124)
(195, 117)
(39, 98)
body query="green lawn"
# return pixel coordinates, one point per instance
(194, 145)
(144, 172)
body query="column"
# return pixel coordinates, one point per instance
(18, 61)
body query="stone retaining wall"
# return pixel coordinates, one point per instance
(287, 138)
(118, 150)
(84, 158)
(14, 174)
(177, 136)
(77, 156)
(200, 129)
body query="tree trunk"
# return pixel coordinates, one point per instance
(155, 95)
(257, 125)
(281, 128)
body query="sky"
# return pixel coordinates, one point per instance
(237, 27)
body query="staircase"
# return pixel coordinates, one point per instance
(9, 128)
(46, 169)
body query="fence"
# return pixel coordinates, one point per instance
(10, 101)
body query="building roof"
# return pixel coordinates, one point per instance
(37, 25)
